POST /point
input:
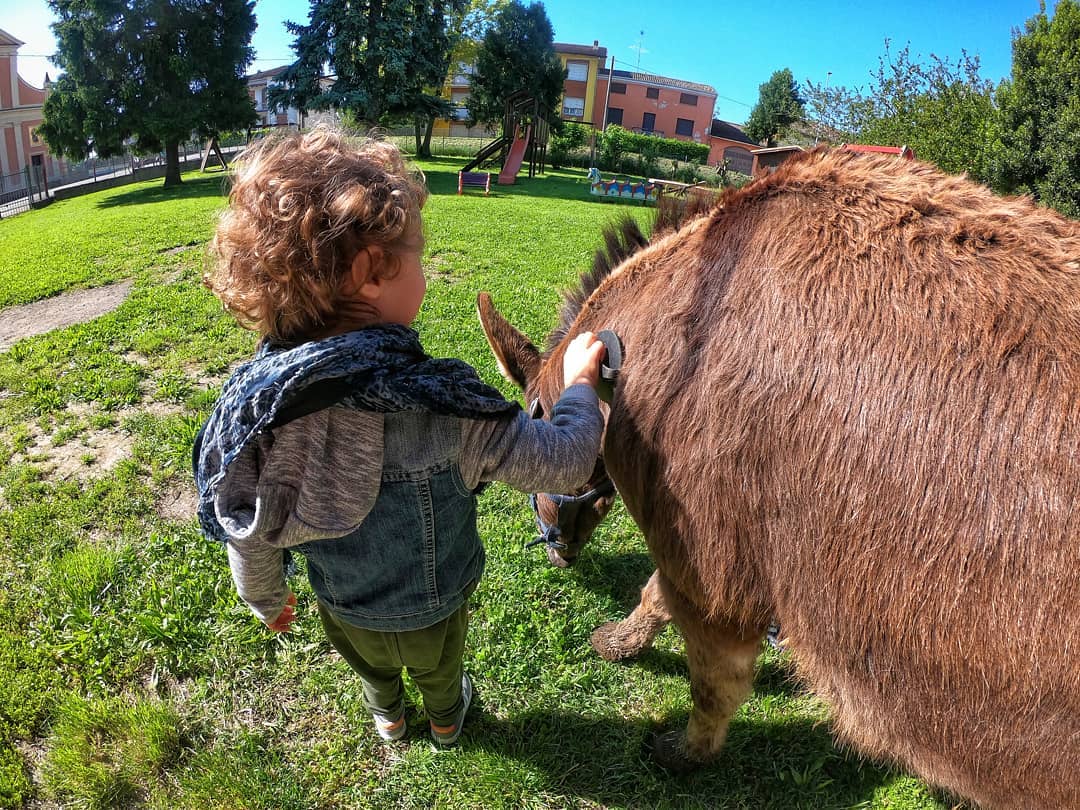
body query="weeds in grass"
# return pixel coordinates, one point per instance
(111, 752)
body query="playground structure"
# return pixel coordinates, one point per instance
(473, 180)
(524, 139)
(212, 147)
(643, 190)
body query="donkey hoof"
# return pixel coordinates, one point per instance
(559, 561)
(668, 750)
(610, 642)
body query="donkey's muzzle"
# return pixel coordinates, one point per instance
(569, 509)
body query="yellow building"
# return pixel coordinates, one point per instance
(583, 64)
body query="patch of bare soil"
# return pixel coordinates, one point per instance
(59, 311)
(91, 452)
(178, 503)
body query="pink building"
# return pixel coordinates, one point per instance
(20, 114)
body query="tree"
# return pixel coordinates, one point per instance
(943, 110)
(150, 72)
(779, 105)
(468, 28)
(517, 54)
(389, 59)
(1040, 111)
(834, 113)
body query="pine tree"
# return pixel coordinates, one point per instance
(386, 59)
(149, 73)
(779, 105)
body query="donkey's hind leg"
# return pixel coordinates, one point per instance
(616, 641)
(721, 658)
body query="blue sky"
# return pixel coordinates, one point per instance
(734, 49)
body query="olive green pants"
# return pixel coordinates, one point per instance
(432, 657)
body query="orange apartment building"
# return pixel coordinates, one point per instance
(20, 114)
(640, 102)
(655, 105)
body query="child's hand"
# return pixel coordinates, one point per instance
(581, 363)
(283, 623)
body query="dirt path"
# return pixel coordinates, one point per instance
(59, 311)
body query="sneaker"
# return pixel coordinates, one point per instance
(390, 728)
(447, 735)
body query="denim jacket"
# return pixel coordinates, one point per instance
(416, 556)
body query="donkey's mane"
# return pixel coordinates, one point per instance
(623, 239)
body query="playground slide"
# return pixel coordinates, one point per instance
(514, 159)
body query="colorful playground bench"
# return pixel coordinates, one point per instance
(474, 180)
(625, 189)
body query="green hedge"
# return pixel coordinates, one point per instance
(617, 141)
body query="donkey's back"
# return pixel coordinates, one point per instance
(861, 401)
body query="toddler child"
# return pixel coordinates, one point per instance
(343, 441)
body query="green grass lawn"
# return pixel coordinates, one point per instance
(132, 676)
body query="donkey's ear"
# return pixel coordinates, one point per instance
(518, 358)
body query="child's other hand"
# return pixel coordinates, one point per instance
(581, 363)
(283, 623)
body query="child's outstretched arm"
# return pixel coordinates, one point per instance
(535, 455)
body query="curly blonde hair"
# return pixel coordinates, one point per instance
(302, 206)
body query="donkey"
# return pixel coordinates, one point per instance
(850, 401)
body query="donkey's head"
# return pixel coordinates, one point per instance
(567, 521)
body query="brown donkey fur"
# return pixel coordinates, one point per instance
(850, 400)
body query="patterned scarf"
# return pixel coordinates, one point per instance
(382, 369)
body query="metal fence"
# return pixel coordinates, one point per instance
(93, 170)
(19, 191)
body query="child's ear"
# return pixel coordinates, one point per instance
(366, 275)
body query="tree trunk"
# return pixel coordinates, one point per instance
(427, 135)
(172, 164)
(418, 124)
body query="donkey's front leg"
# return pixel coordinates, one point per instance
(721, 659)
(616, 641)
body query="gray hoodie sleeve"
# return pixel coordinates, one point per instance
(535, 455)
(314, 478)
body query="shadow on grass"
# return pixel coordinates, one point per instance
(618, 576)
(783, 764)
(774, 676)
(211, 185)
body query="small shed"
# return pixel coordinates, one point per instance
(730, 146)
(769, 158)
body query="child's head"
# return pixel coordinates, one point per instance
(311, 217)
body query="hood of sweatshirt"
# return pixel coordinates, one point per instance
(369, 372)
